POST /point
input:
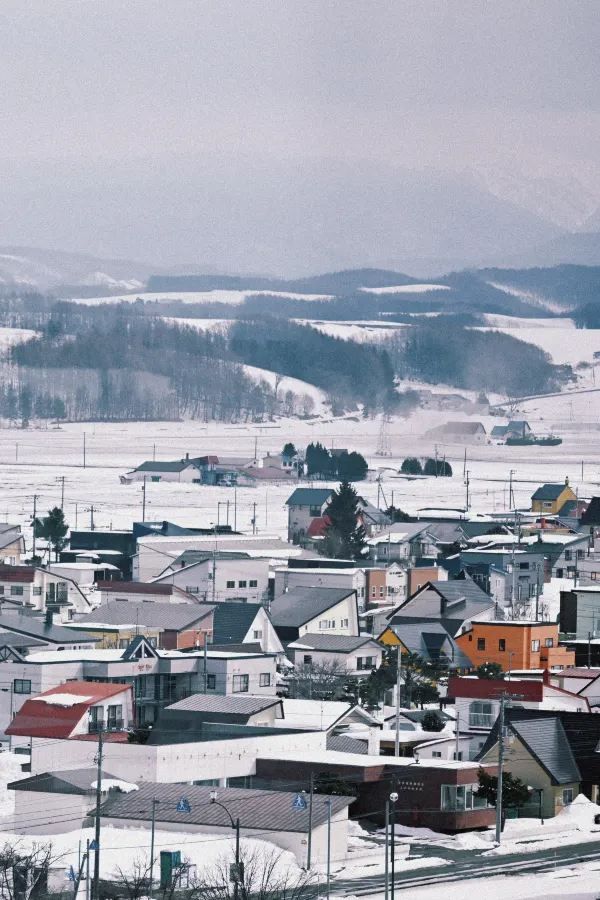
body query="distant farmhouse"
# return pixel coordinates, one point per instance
(459, 432)
(218, 470)
(515, 429)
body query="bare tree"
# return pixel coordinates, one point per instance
(319, 681)
(265, 876)
(24, 870)
(135, 883)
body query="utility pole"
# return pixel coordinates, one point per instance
(152, 832)
(235, 509)
(84, 449)
(467, 486)
(91, 518)
(254, 518)
(589, 653)
(398, 681)
(214, 568)
(310, 821)
(393, 798)
(76, 513)
(227, 513)
(328, 805)
(465, 464)
(436, 461)
(144, 499)
(96, 882)
(387, 850)
(457, 737)
(511, 493)
(500, 772)
(61, 478)
(35, 496)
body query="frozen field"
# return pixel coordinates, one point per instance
(31, 461)
(217, 296)
(565, 343)
(11, 336)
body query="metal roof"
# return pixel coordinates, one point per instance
(549, 492)
(167, 616)
(343, 743)
(232, 621)
(301, 604)
(36, 626)
(335, 643)
(309, 497)
(176, 465)
(268, 811)
(70, 781)
(546, 740)
(225, 704)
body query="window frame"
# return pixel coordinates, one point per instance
(21, 681)
(240, 683)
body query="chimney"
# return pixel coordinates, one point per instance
(187, 456)
(567, 480)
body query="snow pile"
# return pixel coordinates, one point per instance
(63, 699)
(579, 814)
(115, 784)
(10, 770)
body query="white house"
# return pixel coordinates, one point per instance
(41, 590)
(403, 541)
(309, 610)
(182, 470)
(352, 578)
(219, 576)
(356, 656)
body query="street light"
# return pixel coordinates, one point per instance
(235, 824)
(393, 798)
(540, 796)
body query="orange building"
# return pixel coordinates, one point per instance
(515, 645)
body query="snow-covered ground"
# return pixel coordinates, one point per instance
(565, 343)
(11, 336)
(407, 289)
(528, 296)
(216, 296)
(285, 384)
(359, 331)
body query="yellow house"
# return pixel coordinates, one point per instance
(549, 499)
(389, 638)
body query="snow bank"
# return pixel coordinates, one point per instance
(109, 784)
(10, 770)
(63, 699)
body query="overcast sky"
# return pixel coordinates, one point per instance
(450, 85)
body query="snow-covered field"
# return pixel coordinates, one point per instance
(528, 296)
(217, 296)
(407, 289)
(362, 332)
(565, 343)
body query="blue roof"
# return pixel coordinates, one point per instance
(309, 497)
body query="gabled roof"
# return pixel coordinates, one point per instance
(166, 616)
(323, 715)
(232, 621)
(56, 712)
(230, 704)
(499, 430)
(300, 605)
(431, 639)
(547, 742)
(459, 428)
(459, 599)
(69, 781)
(36, 627)
(309, 497)
(268, 811)
(333, 643)
(343, 743)
(549, 492)
(177, 465)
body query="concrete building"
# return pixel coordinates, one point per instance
(218, 576)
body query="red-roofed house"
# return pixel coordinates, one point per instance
(318, 527)
(75, 709)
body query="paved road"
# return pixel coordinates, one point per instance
(482, 865)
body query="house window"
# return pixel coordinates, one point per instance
(211, 682)
(257, 634)
(481, 714)
(17, 590)
(242, 584)
(307, 661)
(264, 679)
(314, 511)
(524, 565)
(373, 592)
(230, 584)
(481, 643)
(96, 718)
(580, 554)
(253, 582)
(502, 644)
(2, 587)
(114, 720)
(382, 592)
(549, 642)
(240, 684)
(567, 796)
(559, 573)
(436, 754)
(535, 646)
(568, 555)
(22, 686)
(192, 589)
(365, 662)
(344, 623)
(36, 591)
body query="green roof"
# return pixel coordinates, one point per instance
(549, 492)
(177, 465)
(309, 497)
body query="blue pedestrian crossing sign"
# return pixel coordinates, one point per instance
(184, 806)
(299, 802)
(71, 875)
(94, 845)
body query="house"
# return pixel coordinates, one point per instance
(550, 498)
(459, 600)
(432, 639)
(170, 626)
(219, 575)
(579, 616)
(336, 717)
(66, 798)
(307, 610)
(403, 541)
(98, 546)
(352, 577)
(305, 505)
(477, 702)
(181, 470)
(562, 744)
(73, 710)
(585, 682)
(141, 592)
(459, 433)
(259, 812)
(186, 717)
(237, 624)
(523, 570)
(41, 590)
(159, 677)
(514, 645)
(356, 656)
(564, 553)
(515, 429)
(12, 544)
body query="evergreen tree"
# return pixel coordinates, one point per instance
(345, 535)
(289, 450)
(53, 528)
(432, 721)
(411, 466)
(515, 792)
(352, 467)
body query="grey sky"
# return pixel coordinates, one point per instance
(450, 85)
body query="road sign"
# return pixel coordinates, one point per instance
(299, 802)
(94, 845)
(184, 806)
(71, 874)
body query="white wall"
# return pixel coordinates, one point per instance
(38, 812)
(345, 609)
(198, 580)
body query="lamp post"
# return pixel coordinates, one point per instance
(393, 798)
(328, 805)
(235, 824)
(152, 833)
(541, 807)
